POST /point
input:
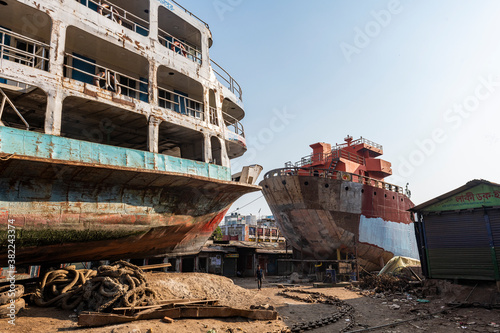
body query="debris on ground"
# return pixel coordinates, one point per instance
(385, 282)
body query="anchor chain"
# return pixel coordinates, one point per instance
(343, 309)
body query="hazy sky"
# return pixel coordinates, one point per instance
(422, 78)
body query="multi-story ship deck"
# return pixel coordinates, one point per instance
(336, 200)
(116, 129)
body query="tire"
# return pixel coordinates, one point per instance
(5, 290)
(5, 310)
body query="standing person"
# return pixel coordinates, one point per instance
(259, 274)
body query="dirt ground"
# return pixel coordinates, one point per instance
(370, 310)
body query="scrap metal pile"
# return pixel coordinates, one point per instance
(119, 284)
(385, 282)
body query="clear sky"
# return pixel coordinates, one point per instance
(422, 78)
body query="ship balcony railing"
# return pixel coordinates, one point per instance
(170, 100)
(214, 118)
(29, 52)
(334, 174)
(118, 15)
(324, 158)
(191, 14)
(178, 46)
(228, 80)
(109, 79)
(233, 124)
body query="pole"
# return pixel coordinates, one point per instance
(356, 256)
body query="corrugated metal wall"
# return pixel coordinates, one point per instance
(458, 245)
(494, 215)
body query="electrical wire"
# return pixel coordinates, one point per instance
(246, 204)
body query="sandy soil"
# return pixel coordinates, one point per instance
(371, 310)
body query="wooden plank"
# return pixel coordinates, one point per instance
(163, 304)
(93, 319)
(148, 267)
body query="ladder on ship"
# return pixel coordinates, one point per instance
(5, 99)
(333, 164)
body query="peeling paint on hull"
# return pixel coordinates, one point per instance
(68, 211)
(320, 215)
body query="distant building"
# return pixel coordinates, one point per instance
(236, 218)
(249, 229)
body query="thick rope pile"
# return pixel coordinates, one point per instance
(61, 287)
(118, 285)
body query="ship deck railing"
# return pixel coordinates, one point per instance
(230, 83)
(320, 158)
(191, 14)
(233, 124)
(175, 102)
(118, 15)
(334, 174)
(357, 142)
(6, 99)
(110, 79)
(178, 46)
(35, 54)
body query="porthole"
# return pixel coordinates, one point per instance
(401, 199)
(385, 195)
(393, 198)
(362, 191)
(283, 182)
(266, 186)
(374, 193)
(327, 185)
(347, 188)
(306, 183)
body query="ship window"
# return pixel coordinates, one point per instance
(385, 195)
(362, 191)
(347, 188)
(401, 199)
(374, 193)
(127, 86)
(89, 4)
(393, 198)
(141, 30)
(284, 182)
(81, 67)
(180, 102)
(306, 183)
(143, 87)
(327, 185)
(266, 186)
(164, 99)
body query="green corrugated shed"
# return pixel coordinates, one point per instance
(457, 233)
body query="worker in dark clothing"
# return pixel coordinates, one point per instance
(259, 276)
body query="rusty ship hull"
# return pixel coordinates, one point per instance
(336, 199)
(319, 215)
(76, 209)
